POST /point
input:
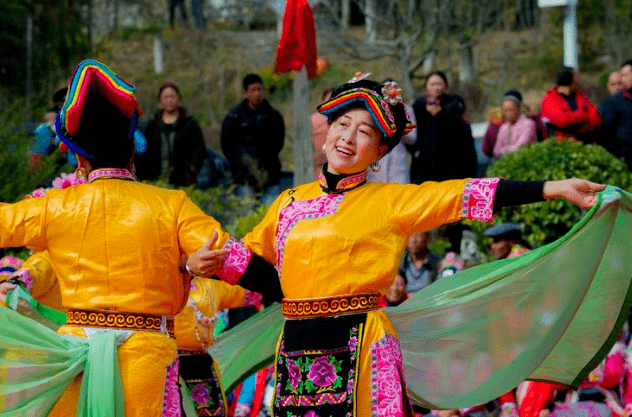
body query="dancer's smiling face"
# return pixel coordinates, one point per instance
(353, 142)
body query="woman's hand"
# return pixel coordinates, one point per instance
(580, 192)
(206, 261)
(5, 287)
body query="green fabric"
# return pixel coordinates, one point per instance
(21, 301)
(247, 347)
(551, 314)
(37, 364)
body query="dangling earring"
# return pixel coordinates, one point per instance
(375, 166)
(323, 148)
(80, 173)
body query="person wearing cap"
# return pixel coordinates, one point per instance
(567, 110)
(518, 130)
(117, 248)
(507, 240)
(336, 244)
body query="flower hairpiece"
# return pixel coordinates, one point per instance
(392, 93)
(358, 76)
(59, 183)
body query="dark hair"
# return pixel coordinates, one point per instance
(628, 62)
(511, 94)
(565, 77)
(58, 99)
(438, 74)
(104, 133)
(251, 79)
(168, 85)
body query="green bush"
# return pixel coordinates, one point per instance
(551, 160)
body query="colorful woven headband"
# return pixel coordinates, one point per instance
(93, 78)
(381, 105)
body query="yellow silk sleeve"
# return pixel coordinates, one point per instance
(22, 223)
(40, 267)
(195, 228)
(424, 207)
(229, 296)
(261, 239)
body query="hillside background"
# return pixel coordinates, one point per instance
(485, 47)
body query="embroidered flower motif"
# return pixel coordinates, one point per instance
(311, 413)
(359, 76)
(235, 262)
(171, 394)
(294, 374)
(40, 192)
(392, 93)
(322, 372)
(200, 394)
(353, 342)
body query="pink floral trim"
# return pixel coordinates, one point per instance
(253, 299)
(478, 199)
(110, 173)
(171, 395)
(628, 409)
(296, 211)
(386, 378)
(235, 262)
(9, 265)
(24, 275)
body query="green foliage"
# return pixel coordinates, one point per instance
(551, 160)
(15, 151)
(276, 82)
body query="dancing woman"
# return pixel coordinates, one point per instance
(336, 244)
(116, 245)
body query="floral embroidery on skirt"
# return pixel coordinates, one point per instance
(203, 385)
(316, 376)
(171, 396)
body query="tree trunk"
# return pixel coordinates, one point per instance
(159, 53)
(467, 71)
(370, 21)
(303, 158)
(345, 10)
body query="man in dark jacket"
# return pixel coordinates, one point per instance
(253, 134)
(616, 116)
(175, 144)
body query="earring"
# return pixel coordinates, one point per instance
(323, 148)
(375, 166)
(80, 173)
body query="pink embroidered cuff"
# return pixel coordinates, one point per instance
(25, 277)
(628, 409)
(478, 199)
(253, 299)
(235, 262)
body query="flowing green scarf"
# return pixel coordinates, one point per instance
(551, 314)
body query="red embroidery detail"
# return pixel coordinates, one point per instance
(110, 173)
(235, 262)
(478, 199)
(253, 299)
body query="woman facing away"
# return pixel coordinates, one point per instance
(336, 244)
(116, 246)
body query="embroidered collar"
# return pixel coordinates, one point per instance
(335, 184)
(108, 173)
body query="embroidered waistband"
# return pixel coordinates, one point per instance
(192, 352)
(329, 306)
(121, 320)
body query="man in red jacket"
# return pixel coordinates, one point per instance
(567, 110)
